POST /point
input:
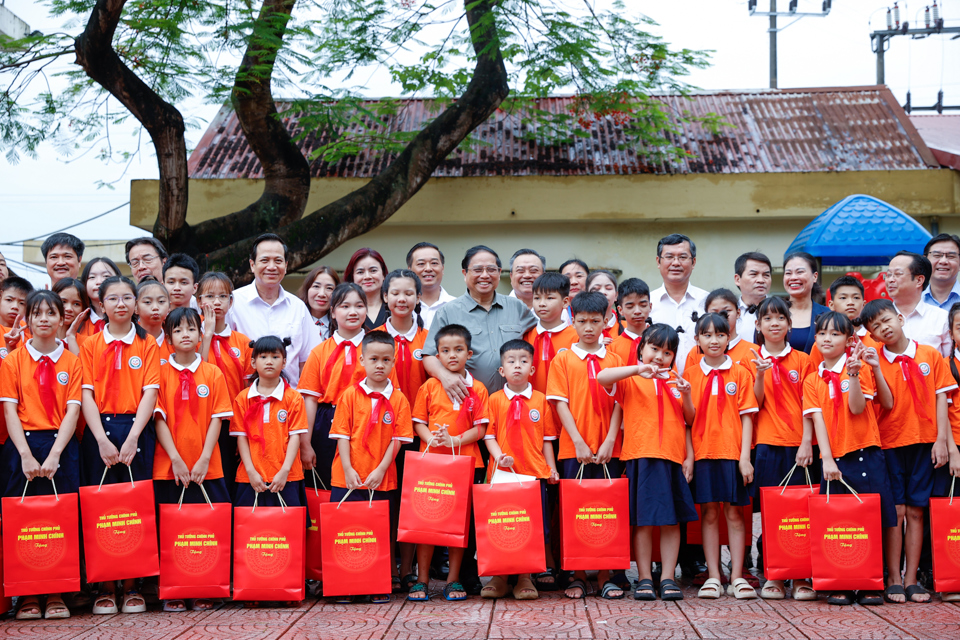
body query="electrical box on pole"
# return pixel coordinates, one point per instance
(791, 12)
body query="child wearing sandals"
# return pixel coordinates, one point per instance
(193, 400)
(657, 452)
(722, 433)
(40, 396)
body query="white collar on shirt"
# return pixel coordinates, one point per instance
(557, 329)
(127, 339)
(692, 293)
(356, 340)
(783, 354)
(837, 368)
(726, 364)
(733, 343)
(580, 353)
(910, 352)
(192, 367)
(408, 336)
(225, 333)
(93, 317)
(630, 334)
(861, 331)
(920, 309)
(276, 394)
(387, 391)
(160, 338)
(53, 355)
(612, 322)
(526, 393)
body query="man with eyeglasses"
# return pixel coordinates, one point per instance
(674, 302)
(526, 265)
(146, 257)
(906, 278)
(943, 252)
(426, 260)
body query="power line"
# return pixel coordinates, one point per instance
(44, 235)
(26, 265)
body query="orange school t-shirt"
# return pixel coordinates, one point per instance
(282, 416)
(739, 351)
(953, 407)
(19, 386)
(644, 434)
(351, 421)
(718, 435)
(544, 352)
(408, 365)
(625, 345)
(776, 425)
(189, 418)
(569, 382)
(327, 382)
(230, 352)
(908, 423)
(847, 431)
(118, 382)
(862, 335)
(434, 409)
(537, 426)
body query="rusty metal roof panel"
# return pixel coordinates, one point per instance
(834, 129)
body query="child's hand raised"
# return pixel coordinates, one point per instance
(760, 362)
(854, 363)
(12, 337)
(209, 319)
(870, 357)
(681, 383)
(647, 371)
(72, 329)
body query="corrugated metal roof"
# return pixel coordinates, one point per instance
(942, 134)
(836, 129)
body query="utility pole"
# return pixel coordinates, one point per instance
(773, 44)
(773, 29)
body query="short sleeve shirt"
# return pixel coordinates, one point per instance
(645, 433)
(561, 338)
(718, 435)
(230, 352)
(780, 420)
(434, 409)
(118, 381)
(19, 386)
(537, 427)
(326, 382)
(280, 418)
(847, 431)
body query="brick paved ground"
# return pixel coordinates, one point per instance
(553, 616)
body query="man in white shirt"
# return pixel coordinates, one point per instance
(526, 265)
(907, 276)
(426, 260)
(752, 275)
(264, 308)
(674, 302)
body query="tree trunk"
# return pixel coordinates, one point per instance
(95, 54)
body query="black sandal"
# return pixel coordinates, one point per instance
(670, 590)
(841, 598)
(550, 574)
(408, 581)
(418, 588)
(915, 590)
(645, 591)
(870, 598)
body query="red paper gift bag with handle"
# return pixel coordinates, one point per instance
(435, 504)
(695, 530)
(41, 545)
(785, 513)
(509, 519)
(945, 538)
(195, 550)
(356, 547)
(268, 553)
(846, 544)
(119, 530)
(595, 524)
(314, 553)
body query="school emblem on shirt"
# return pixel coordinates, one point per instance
(203, 390)
(731, 388)
(534, 415)
(162, 362)
(794, 376)
(282, 415)
(387, 417)
(135, 362)
(63, 377)
(3, 353)
(925, 368)
(418, 354)
(675, 393)
(844, 386)
(235, 352)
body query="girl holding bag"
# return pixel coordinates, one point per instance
(121, 376)
(40, 392)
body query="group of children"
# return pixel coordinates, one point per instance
(98, 378)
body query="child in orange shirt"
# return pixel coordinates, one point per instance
(230, 352)
(180, 275)
(450, 428)
(587, 412)
(153, 305)
(193, 399)
(836, 399)
(121, 376)
(722, 433)
(633, 304)
(331, 368)
(604, 282)
(846, 296)
(269, 420)
(372, 421)
(92, 276)
(725, 303)
(913, 436)
(783, 437)
(526, 448)
(13, 306)
(76, 307)
(40, 397)
(658, 454)
(552, 334)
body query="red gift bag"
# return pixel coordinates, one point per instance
(509, 519)
(268, 553)
(314, 555)
(695, 531)
(785, 514)
(195, 550)
(6, 602)
(356, 547)
(945, 537)
(41, 545)
(595, 524)
(435, 504)
(846, 544)
(119, 530)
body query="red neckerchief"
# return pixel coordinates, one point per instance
(700, 423)
(384, 408)
(254, 416)
(217, 354)
(516, 425)
(404, 363)
(663, 389)
(544, 353)
(468, 411)
(833, 382)
(911, 373)
(632, 360)
(349, 351)
(779, 372)
(46, 377)
(186, 398)
(114, 352)
(100, 324)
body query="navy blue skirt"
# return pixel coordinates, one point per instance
(324, 446)
(659, 494)
(167, 492)
(771, 465)
(117, 428)
(866, 471)
(911, 474)
(719, 481)
(942, 481)
(67, 477)
(569, 469)
(229, 458)
(291, 494)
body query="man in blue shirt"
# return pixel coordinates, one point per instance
(943, 252)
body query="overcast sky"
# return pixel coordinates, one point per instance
(43, 195)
